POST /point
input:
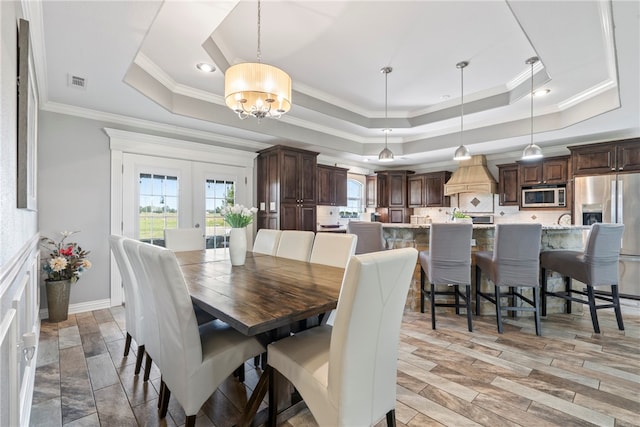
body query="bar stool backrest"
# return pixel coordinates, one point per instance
(516, 254)
(370, 237)
(602, 253)
(450, 254)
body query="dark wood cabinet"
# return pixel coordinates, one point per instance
(287, 192)
(603, 158)
(552, 171)
(427, 190)
(332, 186)
(391, 189)
(508, 188)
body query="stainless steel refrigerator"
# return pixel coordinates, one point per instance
(614, 199)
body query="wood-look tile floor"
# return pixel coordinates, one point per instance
(446, 377)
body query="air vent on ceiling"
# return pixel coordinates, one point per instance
(77, 82)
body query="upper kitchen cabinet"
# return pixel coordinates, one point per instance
(287, 193)
(390, 189)
(427, 189)
(553, 170)
(332, 186)
(508, 188)
(607, 157)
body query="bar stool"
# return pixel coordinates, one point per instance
(514, 262)
(447, 262)
(596, 266)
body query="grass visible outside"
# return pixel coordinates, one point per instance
(152, 225)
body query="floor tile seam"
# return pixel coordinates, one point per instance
(492, 360)
(599, 367)
(554, 402)
(619, 412)
(605, 377)
(505, 349)
(446, 385)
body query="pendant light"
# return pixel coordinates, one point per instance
(531, 151)
(385, 155)
(254, 89)
(462, 153)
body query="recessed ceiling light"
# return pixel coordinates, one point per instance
(204, 67)
(541, 92)
(445, 97)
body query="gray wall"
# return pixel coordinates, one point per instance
(74, 193)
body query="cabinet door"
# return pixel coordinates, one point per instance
(593, 160)
(531, 174)
(340, 187)
(508, 186)
(288, 217)
(372, 189)
(629, 157)
(382, 191)
(397, 215)
(307, 218)
(416, 191)
(397, 190)
(290, 178)
(554, 171)
(326, 187)
(307, 174)
(434, 187)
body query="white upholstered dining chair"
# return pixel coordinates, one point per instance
(267, 241)
(194, 360)
(334, 249)
(184, 239)
(295, 244)
(132, 308)
(346, 373)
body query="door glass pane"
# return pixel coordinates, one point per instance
(158, 207)
(218, 193)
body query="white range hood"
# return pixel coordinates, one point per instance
(471, 177)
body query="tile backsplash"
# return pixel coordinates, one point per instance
(331, 215)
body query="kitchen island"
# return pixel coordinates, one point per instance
(417, 235)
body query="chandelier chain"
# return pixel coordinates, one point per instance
(259, 52)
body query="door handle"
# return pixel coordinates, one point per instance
(197, 226)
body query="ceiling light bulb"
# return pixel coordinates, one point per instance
(541, 92)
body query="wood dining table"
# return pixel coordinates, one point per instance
(265, 297)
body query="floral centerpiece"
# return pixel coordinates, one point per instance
(237, 216)
(67, 260)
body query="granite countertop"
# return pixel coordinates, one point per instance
(482, 226)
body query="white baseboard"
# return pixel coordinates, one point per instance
(82, 307)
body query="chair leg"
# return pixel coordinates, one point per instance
(536, 313)
(512, 293)
(478, 282)
(164, 403)
(592, 308)
(498, 309)
(616, 306)
(456, 296)
(422, 279)
(273, 397)
(147, 367)
(391, 418)
(190, 421)
(139, 358)
(468, 301)
(432, 298)
(239, 372)
(567, 289)
(127, 345)
(256, 361)
(543, 280)
(161, 393)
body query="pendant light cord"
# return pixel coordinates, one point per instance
(532, 62)
(461, 102)
(386, 131)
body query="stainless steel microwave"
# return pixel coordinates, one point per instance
(544, 197)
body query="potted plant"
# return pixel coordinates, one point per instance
(459, 216)
(66, 263)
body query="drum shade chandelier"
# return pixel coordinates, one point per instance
(385, 155)
(462, 152)
(531, 151)
(254, 89)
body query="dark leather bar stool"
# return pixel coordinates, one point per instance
(597, 265)
(447, 262)
(514, 262)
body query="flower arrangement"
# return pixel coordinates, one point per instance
(67, 260)
(237, 216)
